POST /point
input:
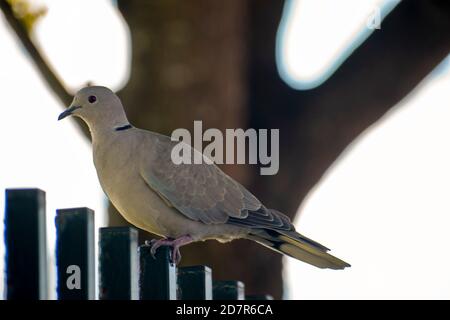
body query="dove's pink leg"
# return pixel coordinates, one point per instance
(175, 244)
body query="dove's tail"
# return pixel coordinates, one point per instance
(297, 246)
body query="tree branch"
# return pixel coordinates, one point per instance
(318, 124)
(47, 73)
(49, 76)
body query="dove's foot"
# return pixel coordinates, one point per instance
(175, 244)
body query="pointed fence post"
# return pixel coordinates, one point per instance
(157, 278)
(118, 264)
(195, 283)
(228, 290)
(26, 245)
(75, 254)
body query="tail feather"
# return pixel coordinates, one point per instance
(294, 237)
(296, 247)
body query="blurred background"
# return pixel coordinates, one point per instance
(360, 90)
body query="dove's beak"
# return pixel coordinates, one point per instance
(68, 112)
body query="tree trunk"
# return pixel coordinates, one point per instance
(190, 63)
(214, 61)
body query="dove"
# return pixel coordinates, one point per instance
(180, 203)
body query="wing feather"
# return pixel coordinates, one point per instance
(202, 192)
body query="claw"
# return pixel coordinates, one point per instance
(153, 252)
(175, 244)
(155, 244)
(175, 255)
(151, 243)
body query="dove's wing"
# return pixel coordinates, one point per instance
(202, 192)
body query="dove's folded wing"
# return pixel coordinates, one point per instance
(202, 192)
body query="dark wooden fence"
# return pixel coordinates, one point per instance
(127, 271)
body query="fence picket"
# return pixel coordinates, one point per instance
(75, 254)
(228, 290)
(26, 245)
(157, 278)
(259, 297)
(118, 264)
(195, 283)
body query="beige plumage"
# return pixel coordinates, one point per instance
(181, 203)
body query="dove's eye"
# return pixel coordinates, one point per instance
(92, 99)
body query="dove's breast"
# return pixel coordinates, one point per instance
(120, 179)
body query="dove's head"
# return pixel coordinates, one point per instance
(98, 107)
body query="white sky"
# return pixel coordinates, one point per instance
(316, 36)
(36, 149)
(384, 206)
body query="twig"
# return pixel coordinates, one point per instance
(47, 73)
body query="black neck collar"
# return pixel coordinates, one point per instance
(124, 127)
